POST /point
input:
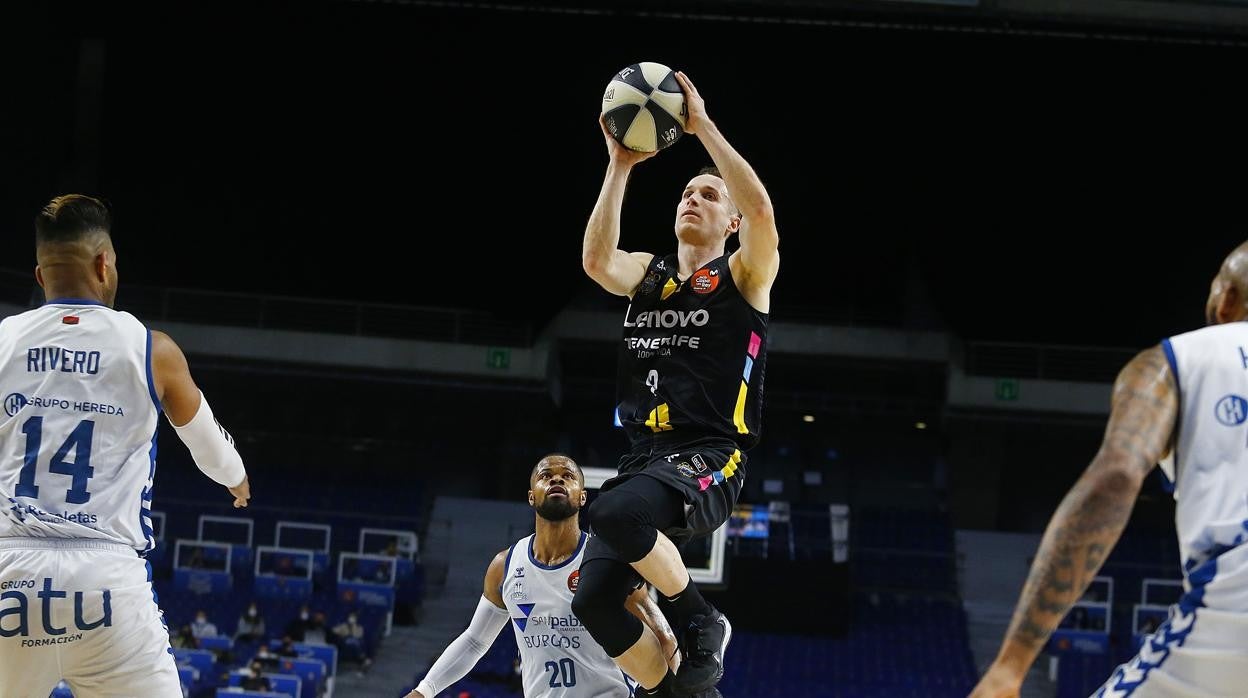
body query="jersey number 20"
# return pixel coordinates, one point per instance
(564, 670)
(79, 469)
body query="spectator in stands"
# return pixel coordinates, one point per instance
(250, 625)
(255, 679)
(288, 648)
(202, 627)
(317, 632)
(349, 638)
(298, 626)
(266, 658)
(184, 639)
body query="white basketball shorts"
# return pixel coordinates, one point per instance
(85, 611)
(1201, 651)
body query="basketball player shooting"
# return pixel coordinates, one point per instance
(84, 387)
(1182, 405)
(531, 583)
(689, 398)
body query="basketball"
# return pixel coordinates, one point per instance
(644, 107)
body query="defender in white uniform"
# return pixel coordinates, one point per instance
(530, 585)
(83, 387)
(1183, 404)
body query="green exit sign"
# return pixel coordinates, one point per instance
(498, 358)
(1007, 388)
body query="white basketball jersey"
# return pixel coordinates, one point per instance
(78, 432)
(1209, 465)
(558, 658)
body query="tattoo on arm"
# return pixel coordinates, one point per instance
(1094, 513)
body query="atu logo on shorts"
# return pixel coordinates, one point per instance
(574, 580)
(1231, 410)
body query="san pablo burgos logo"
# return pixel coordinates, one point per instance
(13, 402)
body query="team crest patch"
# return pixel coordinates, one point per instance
(518, 594)
(685, 469)
(649, 284)
(698, 463)
(704, 280)
(574, 580)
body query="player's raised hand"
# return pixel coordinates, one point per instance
(695, 106)
(619, 152)
(241, 493)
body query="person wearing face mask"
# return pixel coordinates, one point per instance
(349, 638)
(266, 658)
(250, 625)
(202, 627)
(297, 628)
(256, 680)
(288, 648)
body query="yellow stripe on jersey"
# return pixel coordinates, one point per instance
(738, 414)
(731, 469)
(659, 419)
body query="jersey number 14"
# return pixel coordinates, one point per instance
(79, 469)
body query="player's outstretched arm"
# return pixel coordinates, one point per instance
(613, 269)
(465, 651)
(759, 256)
(210, 444)
(641, 605)
(1091, 518)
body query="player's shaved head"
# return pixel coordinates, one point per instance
(1235, 266)
(557, 459)
(1228, 295)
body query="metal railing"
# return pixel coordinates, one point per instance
(296, 314)
(997, 359)
(1047, 362)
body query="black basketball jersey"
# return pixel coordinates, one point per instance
(692, 357)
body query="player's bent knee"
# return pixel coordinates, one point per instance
(625, 523)
(611, 626)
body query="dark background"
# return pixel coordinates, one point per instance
(1049, 187)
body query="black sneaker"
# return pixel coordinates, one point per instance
(702, 664)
